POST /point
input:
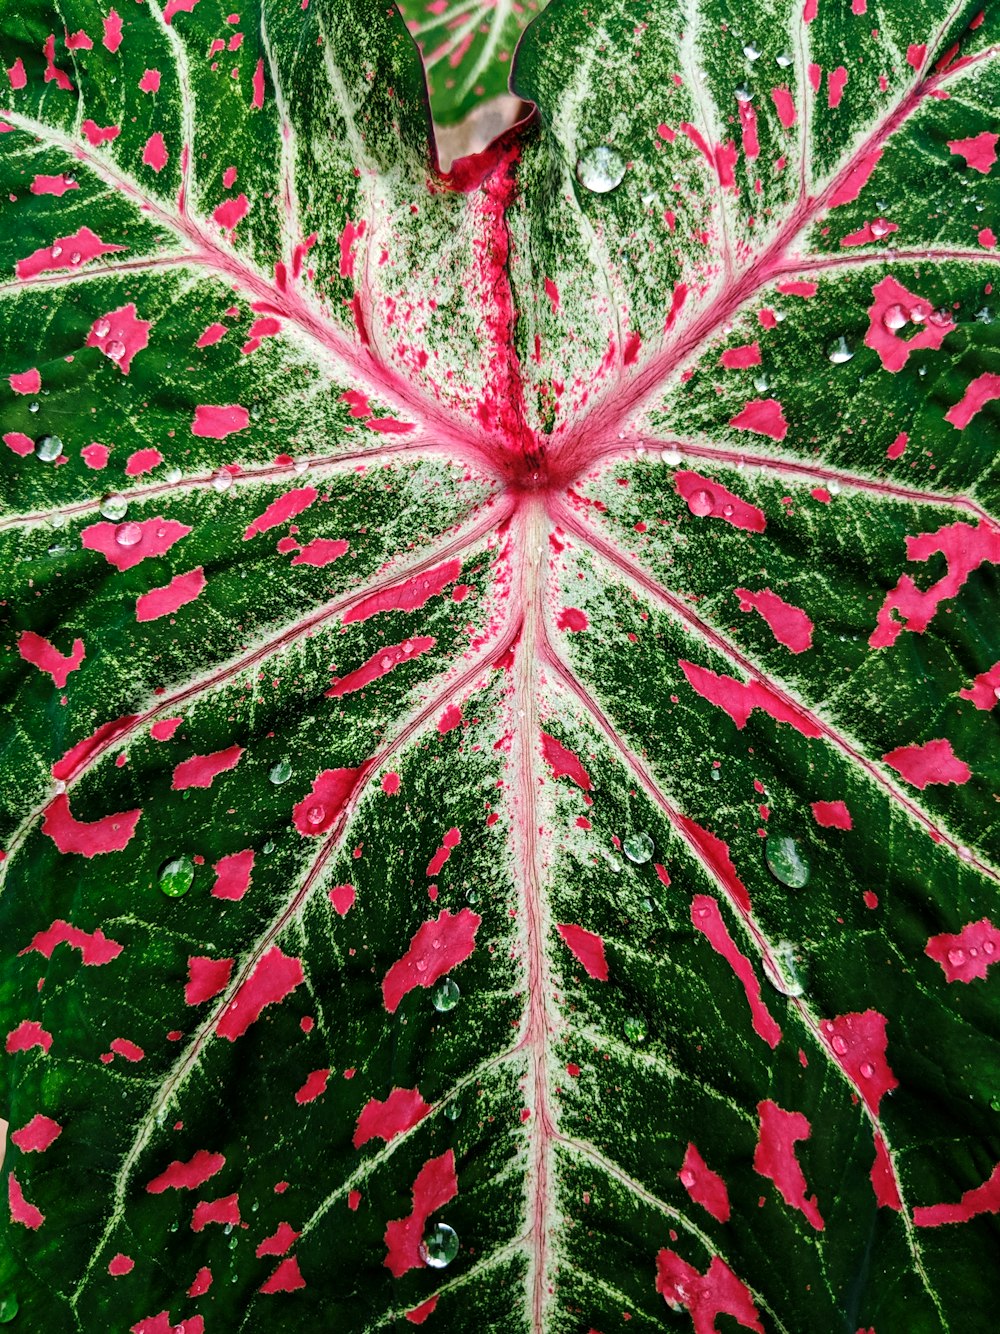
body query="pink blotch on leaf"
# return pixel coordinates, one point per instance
(215, 421)
(157, 537)
(452, 839)
(831, 814)
(739, 699)
(798, 287)
(764, 416)
(969, 954)
(836, 82)
(120, 334)
(225, 1210)
(112, 26)
(588, 948)
(894, 351)
(740, 358)
(933, 762)
(850, 186)
(38, 1135)
(127, 1049)
(898, 446)
(342, 897)
(984, 1199)
(286, 507)
(142, 461)
(28, 1034)
(784, 105)
(164, 601)
(280, 1241)
(258, 84)
(409, 596)
(980, 152)
(206, 978)
(331, 790)
(202, 1282)
(858, 1043)
(78, 756)
(987, 238)
(95, 456)
(275, 976)
(915, 53)
(352, 232)
(202, 770)
(231, 211)
(983, 690)
(84, 243)
(980, 391)
(20, 1210)
(120, 1264)
(286, 1278)
(867, 234)
(552, 292)
(321, 551)
(314, 1086)
(26, 382)
(150, 81)
(789, 624)
(390, 784)
(16, 74)
(111, 833)
(402, 1110)
(211, 335)
(775, 1158)
(96, 135)
(704, 1186)
(563, 763)
(155, 153)
(707, 918)
(47, 658)
(883, 1178)
(418, 1314)
(20, 443)
(434, 1186)
(380, 664)
(715, 853)
(437, 946)
(94, 946)
(162, 1324)
(705, 1296)
(164, 728)
(571, 618)
(450, 719)
(187, 1176)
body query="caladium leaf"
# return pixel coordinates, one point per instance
(499, 812)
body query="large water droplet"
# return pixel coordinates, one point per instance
(671, 457)
(761, 383)
(783, 59)
(56, 251)
(439, 1246)
(743, 94)
(895, 317)
(600, 169)
(114, 508)
(940, 318)
(785, 861)
(316, 814)
(102, 328)
(839, 350)
(177, 876)
(69, 178)
(839, 1044)
(635, 1028)
(34, 405)
(700, 503)
(751, 51)
(956, 956)
(48, 448)
(782, 971)
(280, 772)
(8, 1307)
(638, 847)
(879, 228)
(115, 349)
(453, 1109)
(128, 535)
(445, 995)
(222, 481)
(867, 1069)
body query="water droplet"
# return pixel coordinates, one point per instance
(34, 405)
(115, 350)
(879, 228)
(75, 257)
(300, 466)
(761, 383)
(316, 814)
(128, 535)
(671, 457)
(984, 316)
(988, 947)
(102, 328)
(919, 312)
(895, 317)
(839, 350)
(176, 876)
(453, 1109)
(280, 772)
(751, 52)
(222, 481)
(783, 60)
(268, 847)
(56, 251)
(838, 1044)
(867, 1069)
(956, 956)
(638, 847)
(939, 317)
(48, 448)
(445, 995)
(648, 905)
(635, 1028)
(600, 169)
(8, 1307)
(700, 503)
(439, 1246)
(173, 475)
(471, 896)
(785, 861)
(833, 486)
(743, 94)
(686, 1178)
(782, 971)
(114, 508)
(716, 776)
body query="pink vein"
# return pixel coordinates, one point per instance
(633, 571)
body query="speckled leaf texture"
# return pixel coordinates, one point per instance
(499, 791)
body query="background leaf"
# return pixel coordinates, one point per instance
(502, 672)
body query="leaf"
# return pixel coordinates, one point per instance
(499, 811)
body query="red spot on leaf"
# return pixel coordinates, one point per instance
(739, 358)
(451, 840)
(763, 416)
(321, 551)
(789, 624)
(410, 596)
(707, 918)
(206, 978)
(27, 382)
(978, 393)
(969, 954)
(95, 455)
(317, 812)
(202, 770)
(831, 814)
(704, 1186)
(257, 83)
(274, 977)
(21, 444)
(225, 1210)
(858, 1043)
(202, 1282)
(286, 1278)
(984, 688)
(850, 186)
(47, 658)
(588, 948)
(164, 601)
(28, 1034)
(215, 422)
(739, 699)
(111, 833)
(892, 302)
(314, 1086)
(56, 255)
(402, 1110)
(883, 1178)
(716, 1292)
(418, 1314)
(379, 664)
(980, 152)
(157, 537)
(35, 1137)
(342, 897)
(437, 946)
(784, 105)
(434, 1186)
(571, 618)
(933, 762)
(120, 1264)
(281, 510)
(775, 1158)
(142, 461)
(232, 875)
(278, 1242)
(128, 1050)
(187, 1176)
(836, 82)
(450, 719)
(352, 232)
(20, 1210)
(231, 211)
(95, 948)
(563, 763)
(984, 1199)
(96, 135)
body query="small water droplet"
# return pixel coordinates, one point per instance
(919, 312)
(268, 847)
(222, 481)
(173, 475)
(956, 956)
(783, 60)
(648, 905)
(48, 448)
(833, 486)
(984, 316)
(300, 466)
(635, 1028)
(700, 503)
(838, 1044)
(743, 94)
(867, 1069)
(600, 169)
(716, 776)
(439, 1246)
(75, 257)
(453, 1109)
(316, 814)
(34, 405)
(761, 383)
(445, 995)
(114, 508)
(56, 251)
(785, 861)
(839, 350)
(751, 51)
(879, 228)
(988, 947)
(471, 896)
(671, 457)
(115, 349)
(638, 847)
(102, 328)
(782, 970)
(176, 876)
(128, 535)
(686, 1178)
(940, 317)
(280, 772)
(895, 317)
(69, 178)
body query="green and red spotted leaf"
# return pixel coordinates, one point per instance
(499, 806)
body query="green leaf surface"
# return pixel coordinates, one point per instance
(499, 801)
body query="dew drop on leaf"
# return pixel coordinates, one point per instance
(115, 349)
(128, 535)
(600, 169)
(33, 406)
(671, 457)
(761, 383)
(439, 1246)
(635, 1028)
(8, 1307)
(895, 317)
(782, 971)
(280, 772)
(114, 508)
(176, 876)
(316, 814)
(783, 59)
(879, 228)
(839, 350)
(785, 861)
(751, 51)
(743, 94)
(445, 995)
(700, 503)
(222, 481)
(638, 847)
(453, 1110)
(48, 448)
